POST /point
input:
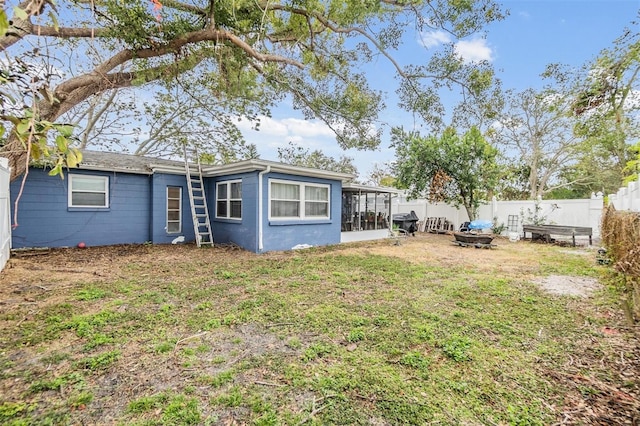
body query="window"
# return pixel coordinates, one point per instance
(88, 191)
(292, 200)
(174, 209)
(229, 200)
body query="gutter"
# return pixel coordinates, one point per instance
(261, 208)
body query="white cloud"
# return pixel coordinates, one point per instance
(434, 38)
(288, 128)
(307, 128)
(268, 126)
(474, 50)
(276, 133)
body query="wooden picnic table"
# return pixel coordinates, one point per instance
(547, 230)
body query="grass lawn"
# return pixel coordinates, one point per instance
(368, 333)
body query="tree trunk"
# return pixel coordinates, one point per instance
(471, 212)
(16, 153)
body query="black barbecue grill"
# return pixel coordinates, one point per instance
(406, 221)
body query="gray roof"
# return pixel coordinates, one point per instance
(128, 163)
(116, 161)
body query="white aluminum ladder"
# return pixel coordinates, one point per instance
(197, 198)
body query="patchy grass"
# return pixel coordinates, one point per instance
(369, 333)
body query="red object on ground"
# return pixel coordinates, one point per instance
(81, 245)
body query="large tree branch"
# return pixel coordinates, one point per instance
(20, 27)
(169, 4)
(125, 79)
(82, 87)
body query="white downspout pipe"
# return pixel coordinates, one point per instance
(261, 208)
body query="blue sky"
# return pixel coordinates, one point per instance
(536, 33)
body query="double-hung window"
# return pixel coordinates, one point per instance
(88, 191)
(298, 200)
(229, 200)
(174, 209)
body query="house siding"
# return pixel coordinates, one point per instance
(243, 232)
(137, 213)
(159, 184)
(277, 235)
(285, 235)
(45, 220)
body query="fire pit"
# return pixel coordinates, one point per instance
(477, 240)
(472, 238)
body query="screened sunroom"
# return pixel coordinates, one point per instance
(366, 212)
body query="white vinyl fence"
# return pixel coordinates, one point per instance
(5, 213)
(513, 214)
(627, 198)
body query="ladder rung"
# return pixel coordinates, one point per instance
(195, 184)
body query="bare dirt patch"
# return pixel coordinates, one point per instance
(569, 286)
(509, 258)
(519, 258)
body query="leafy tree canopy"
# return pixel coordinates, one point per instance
(606, 108)
(535, 131)
(247, 54)
(461, 170)
(633, 165)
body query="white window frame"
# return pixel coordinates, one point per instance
(301, 200)
(179, 210)
(71, 191)
(227, 200)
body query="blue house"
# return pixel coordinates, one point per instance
(259, 205)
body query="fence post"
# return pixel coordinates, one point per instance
(634, 195)
(5, 212)
(596, 205)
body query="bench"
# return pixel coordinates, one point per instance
(547, 230)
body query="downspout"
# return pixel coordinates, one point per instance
(261, 208)
(390, 213)
(152, 215)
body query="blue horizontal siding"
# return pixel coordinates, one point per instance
(243, 232)
(137, 213)
(279, 235)
(276, 235)
(45, 220)
(160, 182)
